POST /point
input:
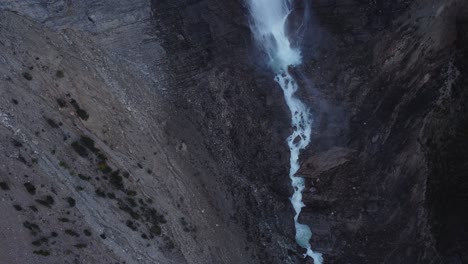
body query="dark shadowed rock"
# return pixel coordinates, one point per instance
(162, 111)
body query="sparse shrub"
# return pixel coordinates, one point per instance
(16, 143)
(30, 188)
(27, 76)
(63, 164)
(131, 193)
(42, 252)
(124, 207)
(34, 228)
(59, 74)
(79, 111)
(132, 202)
(51, 122)
(153, 216)
(4, 186)
(47, 201)
(186, 226)
(78, 148)
(89, 143)
(169, 243)
(101, 157)
(62, 103)
(156, 230)
(40, 241)
(84, 177)
(81, 245)
(22, 159)
(71, 202)
(71, 233)
(116, 180)
(103, 167)
(99, 192)
(131, 225)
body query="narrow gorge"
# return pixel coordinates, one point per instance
(233, 132)
(269, 27)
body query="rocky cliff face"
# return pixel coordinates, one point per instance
(149, 132)
(390, 97)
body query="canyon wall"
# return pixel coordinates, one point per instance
(152, 132)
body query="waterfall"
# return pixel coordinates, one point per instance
(268, 19)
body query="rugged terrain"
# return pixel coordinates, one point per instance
(385, 168)
(151, 132)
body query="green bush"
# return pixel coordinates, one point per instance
(102, 166)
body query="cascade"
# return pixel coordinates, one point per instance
(268, 19)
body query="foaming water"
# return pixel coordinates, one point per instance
(268, 19)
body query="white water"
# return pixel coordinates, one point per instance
(268, 25)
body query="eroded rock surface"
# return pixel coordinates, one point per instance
(150, 132)
(391, 88)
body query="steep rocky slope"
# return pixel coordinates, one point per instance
(150, 132)
(90, 170)
(168, 92)
(387, 176)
